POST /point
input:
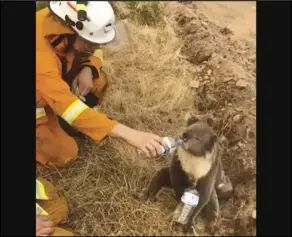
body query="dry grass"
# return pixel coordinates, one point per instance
(149, 90)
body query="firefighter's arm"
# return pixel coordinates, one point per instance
(57, 94)
(96, 125)
(94, 62)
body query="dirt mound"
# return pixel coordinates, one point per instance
(183, 62)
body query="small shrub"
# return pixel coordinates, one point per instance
(143, 13)
(147, 13)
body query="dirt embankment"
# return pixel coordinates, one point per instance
(225, 63)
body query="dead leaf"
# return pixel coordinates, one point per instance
(241, 83)
(227, 79)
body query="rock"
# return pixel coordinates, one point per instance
(206, 77)
(209, 72)
(254, 214)
(205, 35)
(227, 79)
(202, 57)
(250, 134)
(241, 83)
(195, 84)
(237, 118)
(218, 66)
(241, 145)
(191, 29)
(204, 23)
(229, 104)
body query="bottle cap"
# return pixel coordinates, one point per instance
(165, 151)
(179, 141)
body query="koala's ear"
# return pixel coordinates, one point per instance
(191, 119)
(210, 122)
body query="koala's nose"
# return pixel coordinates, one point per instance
(186, 135)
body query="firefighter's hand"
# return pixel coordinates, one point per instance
(85, 82)
(44, 226)
(149, 143)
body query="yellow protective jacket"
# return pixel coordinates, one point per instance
(40, 195)
(53, 93)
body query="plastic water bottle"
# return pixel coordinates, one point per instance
(172, 144)
(189, 201)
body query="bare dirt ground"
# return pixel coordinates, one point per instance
(199, 57)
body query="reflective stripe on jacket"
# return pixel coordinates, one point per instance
(40, 195)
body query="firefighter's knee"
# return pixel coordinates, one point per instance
(55, 150)
(56, 206)
(65, 159)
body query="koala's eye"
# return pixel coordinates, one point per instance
(197, 138)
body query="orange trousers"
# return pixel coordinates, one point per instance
(56, 207)
(54, 148)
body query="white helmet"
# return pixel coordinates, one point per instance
(92, 20)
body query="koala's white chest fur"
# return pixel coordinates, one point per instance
(195, 167)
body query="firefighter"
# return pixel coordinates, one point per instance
(51, 210)
(70, 82)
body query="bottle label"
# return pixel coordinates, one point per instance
(166, 139)
(184, 214)
(190, 199)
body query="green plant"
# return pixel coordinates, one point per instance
(141, 12)
(150, 13)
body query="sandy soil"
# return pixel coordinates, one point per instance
(240, 17)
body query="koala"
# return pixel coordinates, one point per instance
(197, 160)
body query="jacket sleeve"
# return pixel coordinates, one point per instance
(59, 97)
(99, 78)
